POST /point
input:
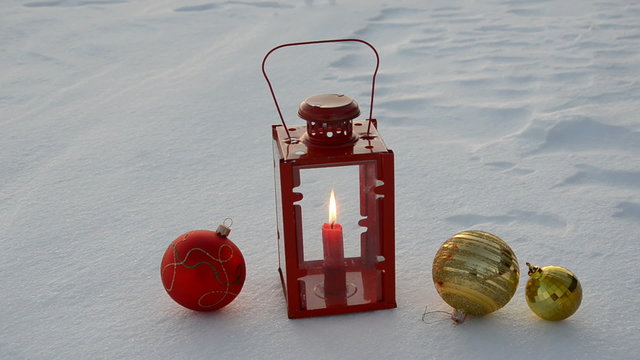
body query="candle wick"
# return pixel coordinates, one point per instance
(333, 222)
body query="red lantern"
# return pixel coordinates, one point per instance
(332, 265)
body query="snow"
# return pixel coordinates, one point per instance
(127, 123)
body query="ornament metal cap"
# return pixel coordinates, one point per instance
(223, 229)
(458, 316)
(533, 269)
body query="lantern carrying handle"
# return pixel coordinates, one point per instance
(373, 80)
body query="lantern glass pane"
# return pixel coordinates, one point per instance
(280, 225)
(315, 186)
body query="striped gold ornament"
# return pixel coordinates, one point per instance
(476, 273)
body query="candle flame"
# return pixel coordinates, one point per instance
(332, 209)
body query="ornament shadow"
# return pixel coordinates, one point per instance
(502, 336)
(205, 318)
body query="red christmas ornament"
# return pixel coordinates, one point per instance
(203, 270)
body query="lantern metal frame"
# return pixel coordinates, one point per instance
(373, 271)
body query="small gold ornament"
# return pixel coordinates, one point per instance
(553, 292)
(476, 273)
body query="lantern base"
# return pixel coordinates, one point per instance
(363, 293)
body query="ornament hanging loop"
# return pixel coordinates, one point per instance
(428, 313)
(373, 79)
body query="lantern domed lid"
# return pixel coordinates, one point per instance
(328, 107)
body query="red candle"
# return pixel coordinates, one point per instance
(335, 280)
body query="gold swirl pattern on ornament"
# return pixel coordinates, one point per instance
(553, 293)
(475, 272)
(177, 262)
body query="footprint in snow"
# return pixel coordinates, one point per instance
(210, 6)
(72, 3)
(628, 210)
(513, 216)
(593, 175)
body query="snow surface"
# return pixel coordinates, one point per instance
(127, 123)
